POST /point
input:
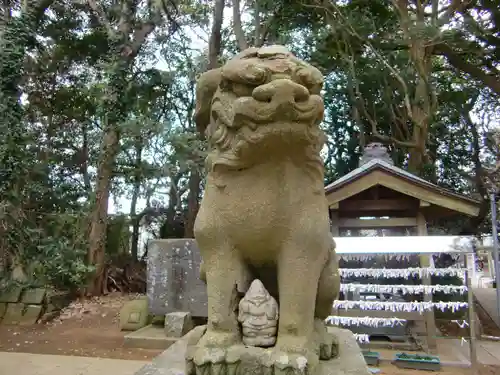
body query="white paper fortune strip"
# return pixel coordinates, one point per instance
(386, 257)
(405, 273)
(399, 306)
(362, 338)
(404, 289)
(364, 321)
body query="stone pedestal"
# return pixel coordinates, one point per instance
(350, 360)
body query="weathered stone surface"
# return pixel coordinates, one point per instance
(177, 324)
(13, 314)
(264, 204)
(34, 296)
(173, 278)
(59, 300)
(12, 295)
(171, 361)
(134, 315)
(3, 308)
(349, 360)
(31, 314)
(258, 315)
(149, 337)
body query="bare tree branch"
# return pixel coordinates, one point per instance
(457, 61)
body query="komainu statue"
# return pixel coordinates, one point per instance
(264, 214)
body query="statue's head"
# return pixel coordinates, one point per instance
(264, 103)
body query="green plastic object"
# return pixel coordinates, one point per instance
(371, 358)
(417, 362)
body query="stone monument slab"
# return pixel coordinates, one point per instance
(174, 278)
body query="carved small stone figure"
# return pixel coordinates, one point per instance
(258, 315)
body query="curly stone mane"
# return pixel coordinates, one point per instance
(236, 116)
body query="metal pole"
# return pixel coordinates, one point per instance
(495, 247)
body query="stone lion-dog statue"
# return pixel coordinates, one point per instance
(264, 214)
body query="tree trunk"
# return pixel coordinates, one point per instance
(99, 217)
(193, 203)
(195, 178)
(472, 225)
(133, 202)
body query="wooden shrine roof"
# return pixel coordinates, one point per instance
(379, 172)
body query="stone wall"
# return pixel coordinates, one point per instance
(26, 306)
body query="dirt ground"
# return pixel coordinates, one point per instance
(90, 329)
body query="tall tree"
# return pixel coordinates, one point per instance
(214, 49)
(127, 28)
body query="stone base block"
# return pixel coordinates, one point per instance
(134, 315)
(21, 314)
(13, 314)
(177, 324)
(349, 361)
(149, 337)
(35, 296)
(12, 295)
(31, 314)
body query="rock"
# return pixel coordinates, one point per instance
(177, 324)
(11, 295)
(34, 296)
(134, 315)
(13, 314)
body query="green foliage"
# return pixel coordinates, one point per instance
(61, 264)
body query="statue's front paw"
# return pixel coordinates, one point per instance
(326, 341)
(209, 355)
(294, 356)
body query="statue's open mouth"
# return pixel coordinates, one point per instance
(251, 112)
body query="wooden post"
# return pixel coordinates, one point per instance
(425, 261)
(334, 228)
(470, 263)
